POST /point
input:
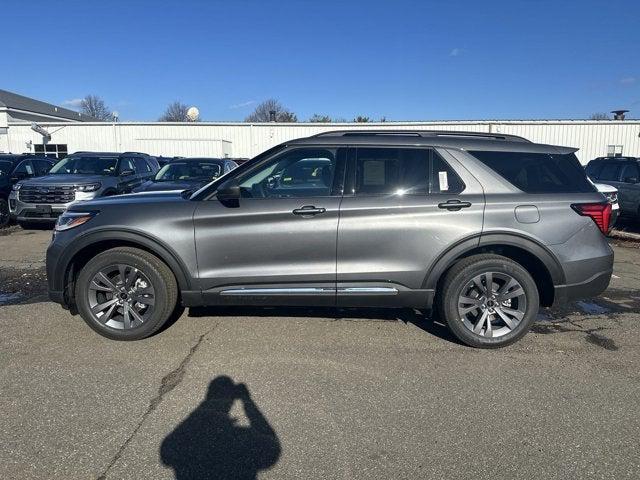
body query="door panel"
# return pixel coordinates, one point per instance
(393, 240)
(262, 243)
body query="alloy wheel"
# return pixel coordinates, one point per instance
(492, 304)
(121, 296)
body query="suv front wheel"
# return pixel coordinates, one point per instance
(125, 293)
(488, 301)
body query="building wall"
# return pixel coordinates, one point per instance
(247, 140)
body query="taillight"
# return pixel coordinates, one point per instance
(599, 213)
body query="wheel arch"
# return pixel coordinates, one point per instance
(535, 257)
(88, 246)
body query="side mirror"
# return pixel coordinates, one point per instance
(630, 180)
(126, 173)
(228, 191)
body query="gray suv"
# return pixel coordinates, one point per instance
(483, 228)
(78, 177)
(622, 173)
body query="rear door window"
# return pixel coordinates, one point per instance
(538, 172)
(403, 171)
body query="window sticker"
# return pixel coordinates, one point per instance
(443, 181)
(373, 172)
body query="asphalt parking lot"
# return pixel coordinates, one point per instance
(308, 393)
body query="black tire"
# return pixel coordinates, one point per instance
(460, 278)
(4, 213)
(155, 270)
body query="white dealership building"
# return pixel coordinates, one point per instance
(46, 130)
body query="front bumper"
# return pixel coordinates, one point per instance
(40, 212)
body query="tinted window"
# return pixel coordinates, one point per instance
(610, 171)
(443, 178)
(538, 172)
(630, 173)
(381, 171)
(594, 168)
(24, 169)
(297, 173)
(141, 165)
(85, 165)
(126, 164)
(191, 170)
(5, 168)
(42, 167)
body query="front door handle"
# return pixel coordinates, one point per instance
(454, 205)
(309, 210)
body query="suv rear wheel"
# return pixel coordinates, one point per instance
(488, 301)
(126, 293)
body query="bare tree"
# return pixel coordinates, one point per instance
(361, 119)
(317, 118)
(263, 113)
(175, 112)
(599, 116)
(95, 107)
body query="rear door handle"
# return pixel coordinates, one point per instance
(309, 210)
(454, 205)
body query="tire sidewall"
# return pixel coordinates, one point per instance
(98, 263)
(462, 279)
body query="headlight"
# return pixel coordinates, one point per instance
(16, 187)
(89, 187)
(70, 220)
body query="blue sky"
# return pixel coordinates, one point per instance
(406, 60)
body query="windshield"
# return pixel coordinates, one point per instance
(176, 171)
(5, 168)
(85, 165)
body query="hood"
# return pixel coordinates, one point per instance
(129, 200)
(151, 186)
(64, 179)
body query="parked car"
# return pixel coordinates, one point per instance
(80, 176)
(611, 194)
(622, 173)
(483, 227)
(14, 168)
(187, 173)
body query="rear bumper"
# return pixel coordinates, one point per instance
(590, 288)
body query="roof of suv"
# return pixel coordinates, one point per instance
(447, 139)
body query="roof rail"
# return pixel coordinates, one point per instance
(422, 133)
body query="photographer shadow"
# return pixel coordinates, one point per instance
(209, 444)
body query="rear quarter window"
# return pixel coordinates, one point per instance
(538, 172)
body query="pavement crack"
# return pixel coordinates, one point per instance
(170, 381)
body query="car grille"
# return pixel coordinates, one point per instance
(47, 194)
